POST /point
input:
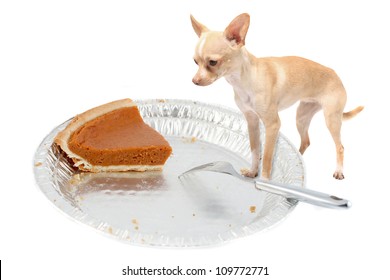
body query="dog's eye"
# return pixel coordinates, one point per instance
(195, 62)
(213, 62)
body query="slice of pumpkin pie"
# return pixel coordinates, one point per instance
(113, 137)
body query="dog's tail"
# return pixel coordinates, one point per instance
(349, 115)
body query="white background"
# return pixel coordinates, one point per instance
(59, 58)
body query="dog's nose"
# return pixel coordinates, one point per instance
(196, 81)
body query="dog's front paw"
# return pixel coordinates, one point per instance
(249, 173)
(338, 175)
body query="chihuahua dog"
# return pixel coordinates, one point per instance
(264, 86)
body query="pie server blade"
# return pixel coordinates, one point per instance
(288, 191)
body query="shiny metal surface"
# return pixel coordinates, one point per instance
(292, 192)
(156, 208)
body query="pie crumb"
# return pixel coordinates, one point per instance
(135, 223)
(75, 179)
(37, 164)
(252, 209)
(189, 139)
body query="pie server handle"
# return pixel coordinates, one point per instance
(304, 195)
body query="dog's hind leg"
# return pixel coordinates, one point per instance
(305, 113)
(333, 121)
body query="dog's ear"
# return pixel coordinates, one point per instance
(237, 29)
(198, 27)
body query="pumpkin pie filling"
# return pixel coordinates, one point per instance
(117, 140)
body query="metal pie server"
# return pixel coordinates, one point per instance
(288, 191)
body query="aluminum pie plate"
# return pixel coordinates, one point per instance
(156, 208)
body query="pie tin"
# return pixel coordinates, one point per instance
(158, 208)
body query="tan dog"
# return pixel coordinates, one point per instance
(264, 86)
